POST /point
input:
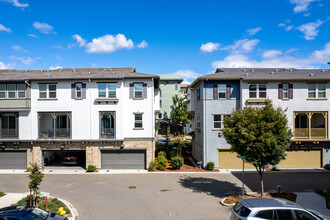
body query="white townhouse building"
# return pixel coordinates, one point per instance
(303, 93)
(104, 116)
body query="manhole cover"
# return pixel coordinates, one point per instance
(165, 190)
(132, 187)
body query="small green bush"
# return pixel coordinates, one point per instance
(171, 154)
(162, 163)
(2, 193)
(161, 154)
(153, 165)
(177, 162)
(91, 168)
(210, 165)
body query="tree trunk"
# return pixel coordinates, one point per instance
(261, 183)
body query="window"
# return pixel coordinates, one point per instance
(257, 91)
(302, 215)
(285, 91)
(138, 90)
(2, 91)
(176, 86)
(265, 214)
(47, 91)
(107, 125)
(102, 90)
(160, 93)
(198, 121)
(217, 121)
(198, 94)
(316, 90)
(222, 91)
(11, 91)
(160, 104)
(21, 88)
(112, 90)
(78, 90)
(138, 120)
(284, 214)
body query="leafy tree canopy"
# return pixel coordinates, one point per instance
(179, 112)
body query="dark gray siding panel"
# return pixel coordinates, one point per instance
(123, 159)
(13, 160)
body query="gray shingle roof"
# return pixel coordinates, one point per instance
(73, 74)
(268, 74)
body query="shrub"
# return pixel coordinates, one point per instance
(171, 154)
(177, 162)
(2, 193)
(161, 154)
(162, 163)
(210, 165)
(91, 168)
(153, 165)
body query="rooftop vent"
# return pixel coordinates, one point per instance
(276, 70)
(252, 70)
(244, 70)
(104, 69)
(26, 71)
(49, 75)
(272, 73)
(246, 74)
(60, 69)
(311, 74)
(41, 70)
(74, 70)
(322, 71)
(89, 73)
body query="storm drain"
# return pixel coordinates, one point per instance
(132, 187)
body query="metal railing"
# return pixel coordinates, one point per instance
(107, 133)
(60, 133)
(9, 133)
(303, 133)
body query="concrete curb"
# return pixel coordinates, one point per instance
(226, 204)
(72, 209)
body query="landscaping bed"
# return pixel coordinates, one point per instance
(288, 196)
(53, 204)
(2, 194)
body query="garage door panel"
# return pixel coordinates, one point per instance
(122, 159)
(229, 160)
(302, 159)
(13, 160)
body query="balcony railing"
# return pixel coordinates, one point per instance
(60, 133)
(9, 133)
(316, 133)
(108, 133)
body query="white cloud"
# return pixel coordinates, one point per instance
(25, 60)
(80, 41)
(109, 44)
(291, 50)
(301, 5)
(94, 65)
(187, 75)
(55, 67)
(17, 4)
(310, 29)
(58, 47)
(289, 28)
(253, 31)
(143, 44)
(244, 45)
(4, 66)
(3, 28)
(43, 28)
(32, 35)
(242, 61)
(209, 47)
(281, 25)
(58, 57)
(271, 53)
(307, 14)
(17, 48)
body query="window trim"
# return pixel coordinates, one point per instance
(48, 91)
(4, 91)
(316, 91)
(223, 92)
(285, 90)
(12, 91)
(135, 121)
(257, 91)
(76, 90)
(134, 91)
(221, 121)
(198, 121)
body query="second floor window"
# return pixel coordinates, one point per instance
(138, 121)
(47, 91)
(198, 121)
(198, 94)
(11, 91)
(316, 90)
(257, 91)
(222, 91)
(78, 90)
(138, 87)
(107, 90)
(285, 91)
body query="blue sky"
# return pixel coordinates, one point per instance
(191, 38)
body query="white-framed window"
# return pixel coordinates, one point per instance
(285, 91)
(160, 93)
(160, 104)
(176, 86)
(257, 91)
(316, 90)
(47, 91)
(218, 120)
(11, 91)
(102, 88)
(2, 91)
(112, 90)
(198, 94)
(138, 88)
(21, 91)
(198, 121)
(78, 90)
(222, 91)
(138, 120)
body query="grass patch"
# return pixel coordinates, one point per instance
(288, 196)
(2, 194)
(325, 194)
(53, 204)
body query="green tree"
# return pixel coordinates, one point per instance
(180, 142)
(35, 180)
(179, 112)
(261, 134)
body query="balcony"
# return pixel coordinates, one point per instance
(9, 125)
(9, 133)
(107, 125)
(54, 125)
(310, 125)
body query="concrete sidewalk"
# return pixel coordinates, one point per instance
(311, 200)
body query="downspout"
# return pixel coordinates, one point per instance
(204, 127)
(153, 118)
(90, 120)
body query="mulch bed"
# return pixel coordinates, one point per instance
(288, 196)
(187, 167)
